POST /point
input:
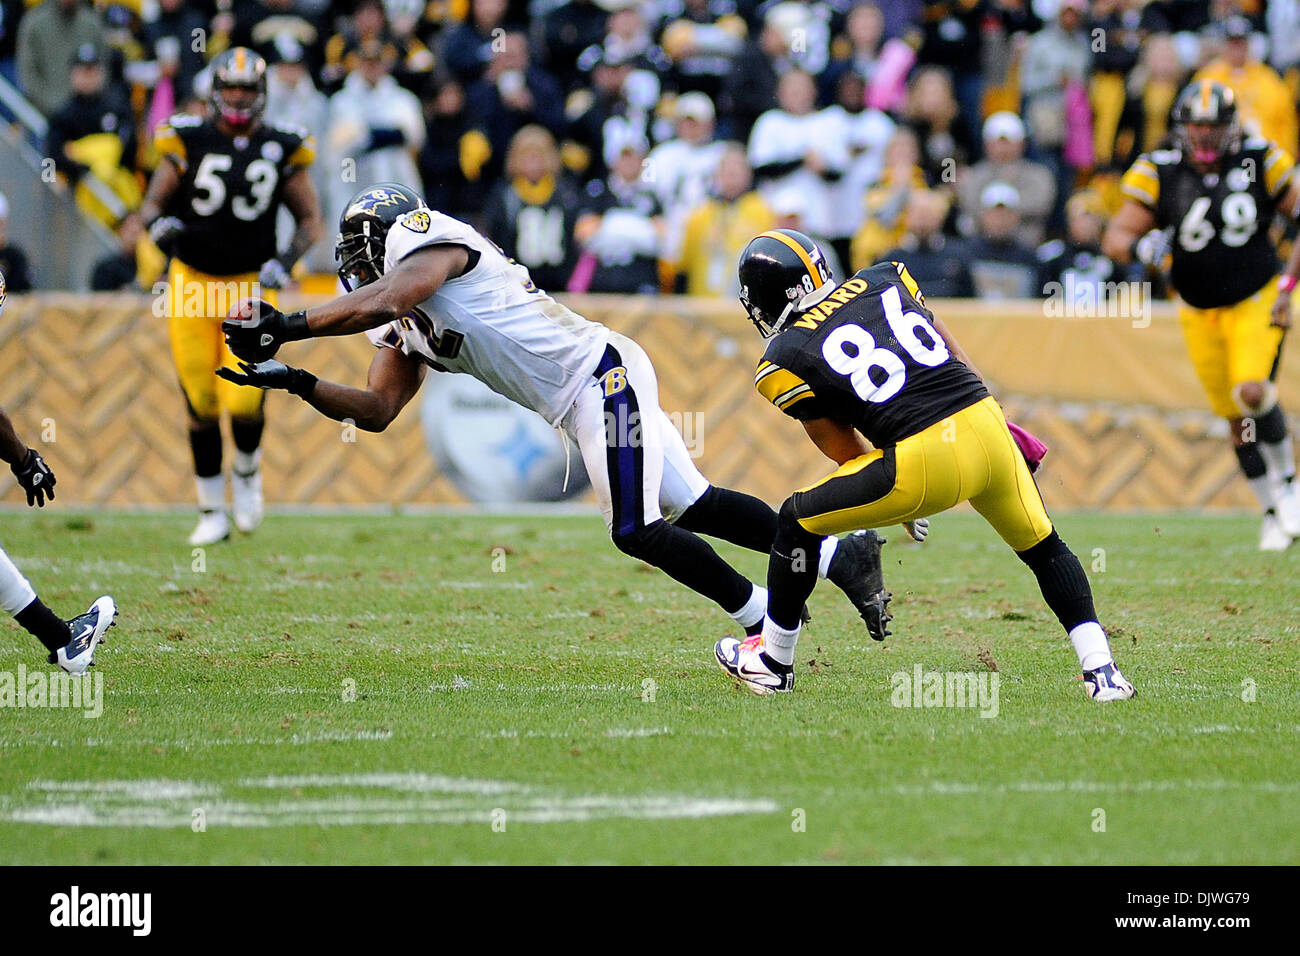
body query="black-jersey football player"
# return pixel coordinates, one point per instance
(866, 359)
(1206, 205)
(212, 206)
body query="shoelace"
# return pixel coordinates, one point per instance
(754, 643)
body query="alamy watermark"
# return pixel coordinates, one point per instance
(52, 689)
(922, 688)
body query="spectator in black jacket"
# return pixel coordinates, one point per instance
(170, 41)
(511, 95)
(935, 260)
(453, 156)
(467, 49)
(92, 109)
(562, 34)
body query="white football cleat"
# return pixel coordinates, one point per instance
(1272, 536)
(744, 660)
(213, 526)
(1287, 499)
(1107, 683)
(246, 500)
(87, 633)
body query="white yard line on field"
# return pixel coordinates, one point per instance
(393, 799)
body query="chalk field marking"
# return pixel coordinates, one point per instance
(333, 800)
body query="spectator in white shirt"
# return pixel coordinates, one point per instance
(794, 145)
(680, 170)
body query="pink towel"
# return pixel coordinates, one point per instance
(583, 273)
(163, 104)
(1078, 127)
(888, 87)
(1030, 446)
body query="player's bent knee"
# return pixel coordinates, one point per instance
(644, 542)
(1254, 399)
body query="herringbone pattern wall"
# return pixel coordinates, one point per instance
(89, 380)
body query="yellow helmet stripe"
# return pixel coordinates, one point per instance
(800, 251)
(1207, 89)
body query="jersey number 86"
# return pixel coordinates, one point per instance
(865, 355)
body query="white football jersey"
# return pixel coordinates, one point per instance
(492, 322)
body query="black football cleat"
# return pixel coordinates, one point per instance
(856, 570)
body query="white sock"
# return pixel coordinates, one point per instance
(830, 544)
(1090, 644)
(1279, 459)
(754, 609)
(1263, 489)
(15, 592)
(779, 643)
(212, 492)
(247, 462)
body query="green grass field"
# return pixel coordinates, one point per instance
(368, 689)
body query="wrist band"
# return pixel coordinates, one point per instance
(295, 326)
(1286, 283)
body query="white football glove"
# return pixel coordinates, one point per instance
(918, 529)
(273, 275)
(1151, 248)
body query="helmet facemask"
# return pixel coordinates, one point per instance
(360, 255)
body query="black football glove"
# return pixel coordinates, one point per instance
(272, 374)
(165, 231)
(255, 329)
(35, 477)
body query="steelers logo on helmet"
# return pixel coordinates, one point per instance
(781, 271)
(1206, 125)
(239, 87)
(363, 230)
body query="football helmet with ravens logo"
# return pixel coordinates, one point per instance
(363, 230)
(781, 271)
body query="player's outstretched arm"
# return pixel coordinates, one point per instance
(392, 295)
(26, 463)
(255, 329)
(954, 348)
(393, 380)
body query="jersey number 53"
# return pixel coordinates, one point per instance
(262, 177)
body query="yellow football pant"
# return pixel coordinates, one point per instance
(196, 305)
(969, 456)
(1232, 345)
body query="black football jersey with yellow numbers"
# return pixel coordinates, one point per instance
(1222, 251)
(867, 355)
(231, 190)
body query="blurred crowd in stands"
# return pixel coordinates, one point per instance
(637, 145)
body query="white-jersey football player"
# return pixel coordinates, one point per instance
(432, 293)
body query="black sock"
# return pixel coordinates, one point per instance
(247, 433)
(791, 569)
(205, 443)
(48, 628)
(1251, 461)
(732, 516)
(1062, 580)
(689, 560)
(1271, 426)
